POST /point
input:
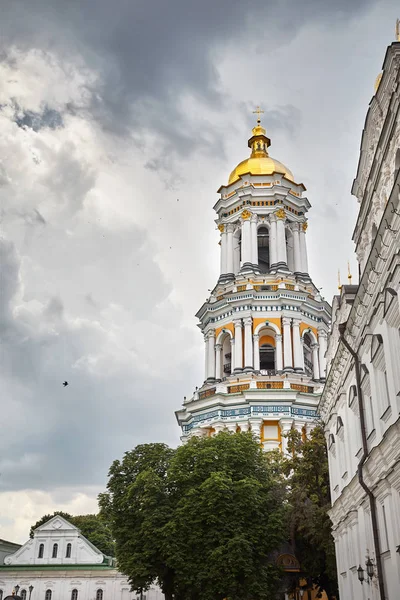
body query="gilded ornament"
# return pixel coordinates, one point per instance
(246, 214)
(280, 213)
(221, 227)
(304, 226)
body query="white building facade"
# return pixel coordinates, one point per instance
(360, 404)
(265, 324)
(59, 563)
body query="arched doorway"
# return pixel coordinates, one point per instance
(267, 357)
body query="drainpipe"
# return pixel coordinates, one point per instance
(371, 497)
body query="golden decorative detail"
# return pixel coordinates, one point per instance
(241, 288)
(288, 562)
(339, 284)
(258, 112)
(377, 82)
(270, 385)
(221, 227)
(234, 389)
(246, 214)
(207, 393)
(305, 226)
(349, 275)
(220, 297)
(280, 213)
(302, 388)
(261, 165)
(397, 30)
(289, 286)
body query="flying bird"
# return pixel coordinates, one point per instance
(65, 383)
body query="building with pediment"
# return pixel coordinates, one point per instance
(265, 324)
(59, 563)
(360, 405)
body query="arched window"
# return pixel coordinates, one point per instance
(308, 363)
(41, 551)
(263, 249)
(55, 551)
(23, 594)
(68, 551)
(74, 595)
(99, 595)
(48, 595)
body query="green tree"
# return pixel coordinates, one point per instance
(309, 497)
(204, 520)
(94, 527)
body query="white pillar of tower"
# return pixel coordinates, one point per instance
(287, 345)
(224, 249)
(322, 339)
(280, 237)
(254, 244)
(296, 246)
(303, 248)
(286, 425)
(206, 355)
(278, 361)
(232, 354)
(314, 349)
(229, 249)
(272, 240)
(248, 344)
(255, 427)
(238, 345)
(218, 361)
(256, 352)
(246, 238)
(297, 348)
(211, 355)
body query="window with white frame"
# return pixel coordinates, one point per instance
(68, 551)
(23, 594)
(367, 397)
(55, 551)
(48, 595)
(99, 594)
(379, 364)
(74, 595)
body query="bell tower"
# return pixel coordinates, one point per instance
(265, 324)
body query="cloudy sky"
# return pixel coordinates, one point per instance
(119, 120)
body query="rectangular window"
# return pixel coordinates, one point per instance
(385, 537)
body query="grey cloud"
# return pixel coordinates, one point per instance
(150, 54)
(37, 121)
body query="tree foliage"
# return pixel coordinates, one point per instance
(204, 520)
(94, 527)
(309, 497)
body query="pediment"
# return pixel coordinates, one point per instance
(57, 523)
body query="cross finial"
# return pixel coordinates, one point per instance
(398, 30)
(258, 112)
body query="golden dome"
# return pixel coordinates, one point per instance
(259, 163)
(259, 166)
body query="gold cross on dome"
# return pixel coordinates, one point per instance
(398, 30)
(258, 112)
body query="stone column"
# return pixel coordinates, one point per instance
(238, 345)
(314, 349)
(322, 339)
(206, 356)
(254, 243)
(246, 239)
(224, 249)
(211, 355)
(272, 241)
(286, 425)
(255, 427)
(248, 344)
(229, 249)
(232, 354)
(281, 257)
(218, 361)
(297, 347)
(303, 248)
(296, 247)
(287, 345)
(279, 360)
(256, 352)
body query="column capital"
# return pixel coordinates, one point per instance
(280, 213)
(246, 214)
(210, 334)
(256, 336)
(294, 226)
(254, 218)
(315, 345)
(230, 227)
(237, 322)
(322, 333)
(304, 226)
(221, 227)
(286, 320)
(278, 337)
(218, 347)
(273, 218)
(247, 321)
(296, 322)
